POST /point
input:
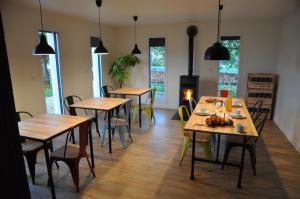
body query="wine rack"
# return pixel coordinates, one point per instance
(262, 87)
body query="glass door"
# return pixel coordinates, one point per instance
(51, 75)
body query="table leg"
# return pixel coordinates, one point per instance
(218, 147)
(193, 156)
(49, 169)
(129, 118)
(91, 145)
(151, 113)
(96, 122)
(239, 185)
(140, 111)
(109, 130)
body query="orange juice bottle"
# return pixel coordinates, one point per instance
(229, 103)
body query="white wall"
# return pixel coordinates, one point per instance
(21, 24)
(287, 115)
(259, 45)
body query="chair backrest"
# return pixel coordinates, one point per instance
(255, 110)
(83, 137)
(192, 103)
(260, 123)
(19, 113)
(104, 90)
(68, 101)
(151, 97)
(182, 110)
(224, 93)
(124, 111)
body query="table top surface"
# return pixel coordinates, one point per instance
(195, 123)
(103, 104)
(47, 126)
(130, 91)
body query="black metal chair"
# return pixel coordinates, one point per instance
(238, 141)
(68, 101)
(255, 110)
(193, 104)
(105, 92)
(30, 148)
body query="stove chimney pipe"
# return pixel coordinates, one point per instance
(191, 32)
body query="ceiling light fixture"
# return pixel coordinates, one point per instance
(136, 50)
(43, 47)
(217, 51)
(100, 48)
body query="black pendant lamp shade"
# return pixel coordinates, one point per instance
(100, 48)
(217, 51)
(136, 50)
(43, 47)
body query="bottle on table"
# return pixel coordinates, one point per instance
(229, 103)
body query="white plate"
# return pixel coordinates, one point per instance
(202, 114)
(238, 116)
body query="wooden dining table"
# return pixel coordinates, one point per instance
(45, 127)
(196, 124)
(134, 92)
(103, 104)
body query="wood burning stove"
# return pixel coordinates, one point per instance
(189, 84)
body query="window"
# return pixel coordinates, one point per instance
(157, 68)
(51, 74)
(96, 69)
(229, 70)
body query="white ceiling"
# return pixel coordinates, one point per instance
(120, 12)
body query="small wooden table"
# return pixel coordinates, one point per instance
(43, 128)
(103, 104)
(133, 91)
(195, 124)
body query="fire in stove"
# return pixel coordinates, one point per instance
(187, 93)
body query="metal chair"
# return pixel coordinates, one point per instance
(30, 148)
(71, 154)
(68, 101)
(256, 110)
(193, 104)
(105, 92)
(237, 141)
(120, 122)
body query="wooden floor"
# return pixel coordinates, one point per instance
(148, 168)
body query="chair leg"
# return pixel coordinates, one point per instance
(105, 115)
(31, 160)
(129, 133)
(74, 168)
(103, 136)
(91, 168)
(122, 137)
(252, 158)
(226, 154)
(72, 137)
(97, 127)
(185, 146)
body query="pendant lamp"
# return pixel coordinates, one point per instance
(43, 47)
(217, 51)
(136, 50)
(100, 48)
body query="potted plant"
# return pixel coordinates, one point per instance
(119, 68)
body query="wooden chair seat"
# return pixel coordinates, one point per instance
(30, 145)
(71, 152)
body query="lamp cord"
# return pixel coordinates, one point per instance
(99, 23)
(135, 32)
(219, 20)
(41, 15)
